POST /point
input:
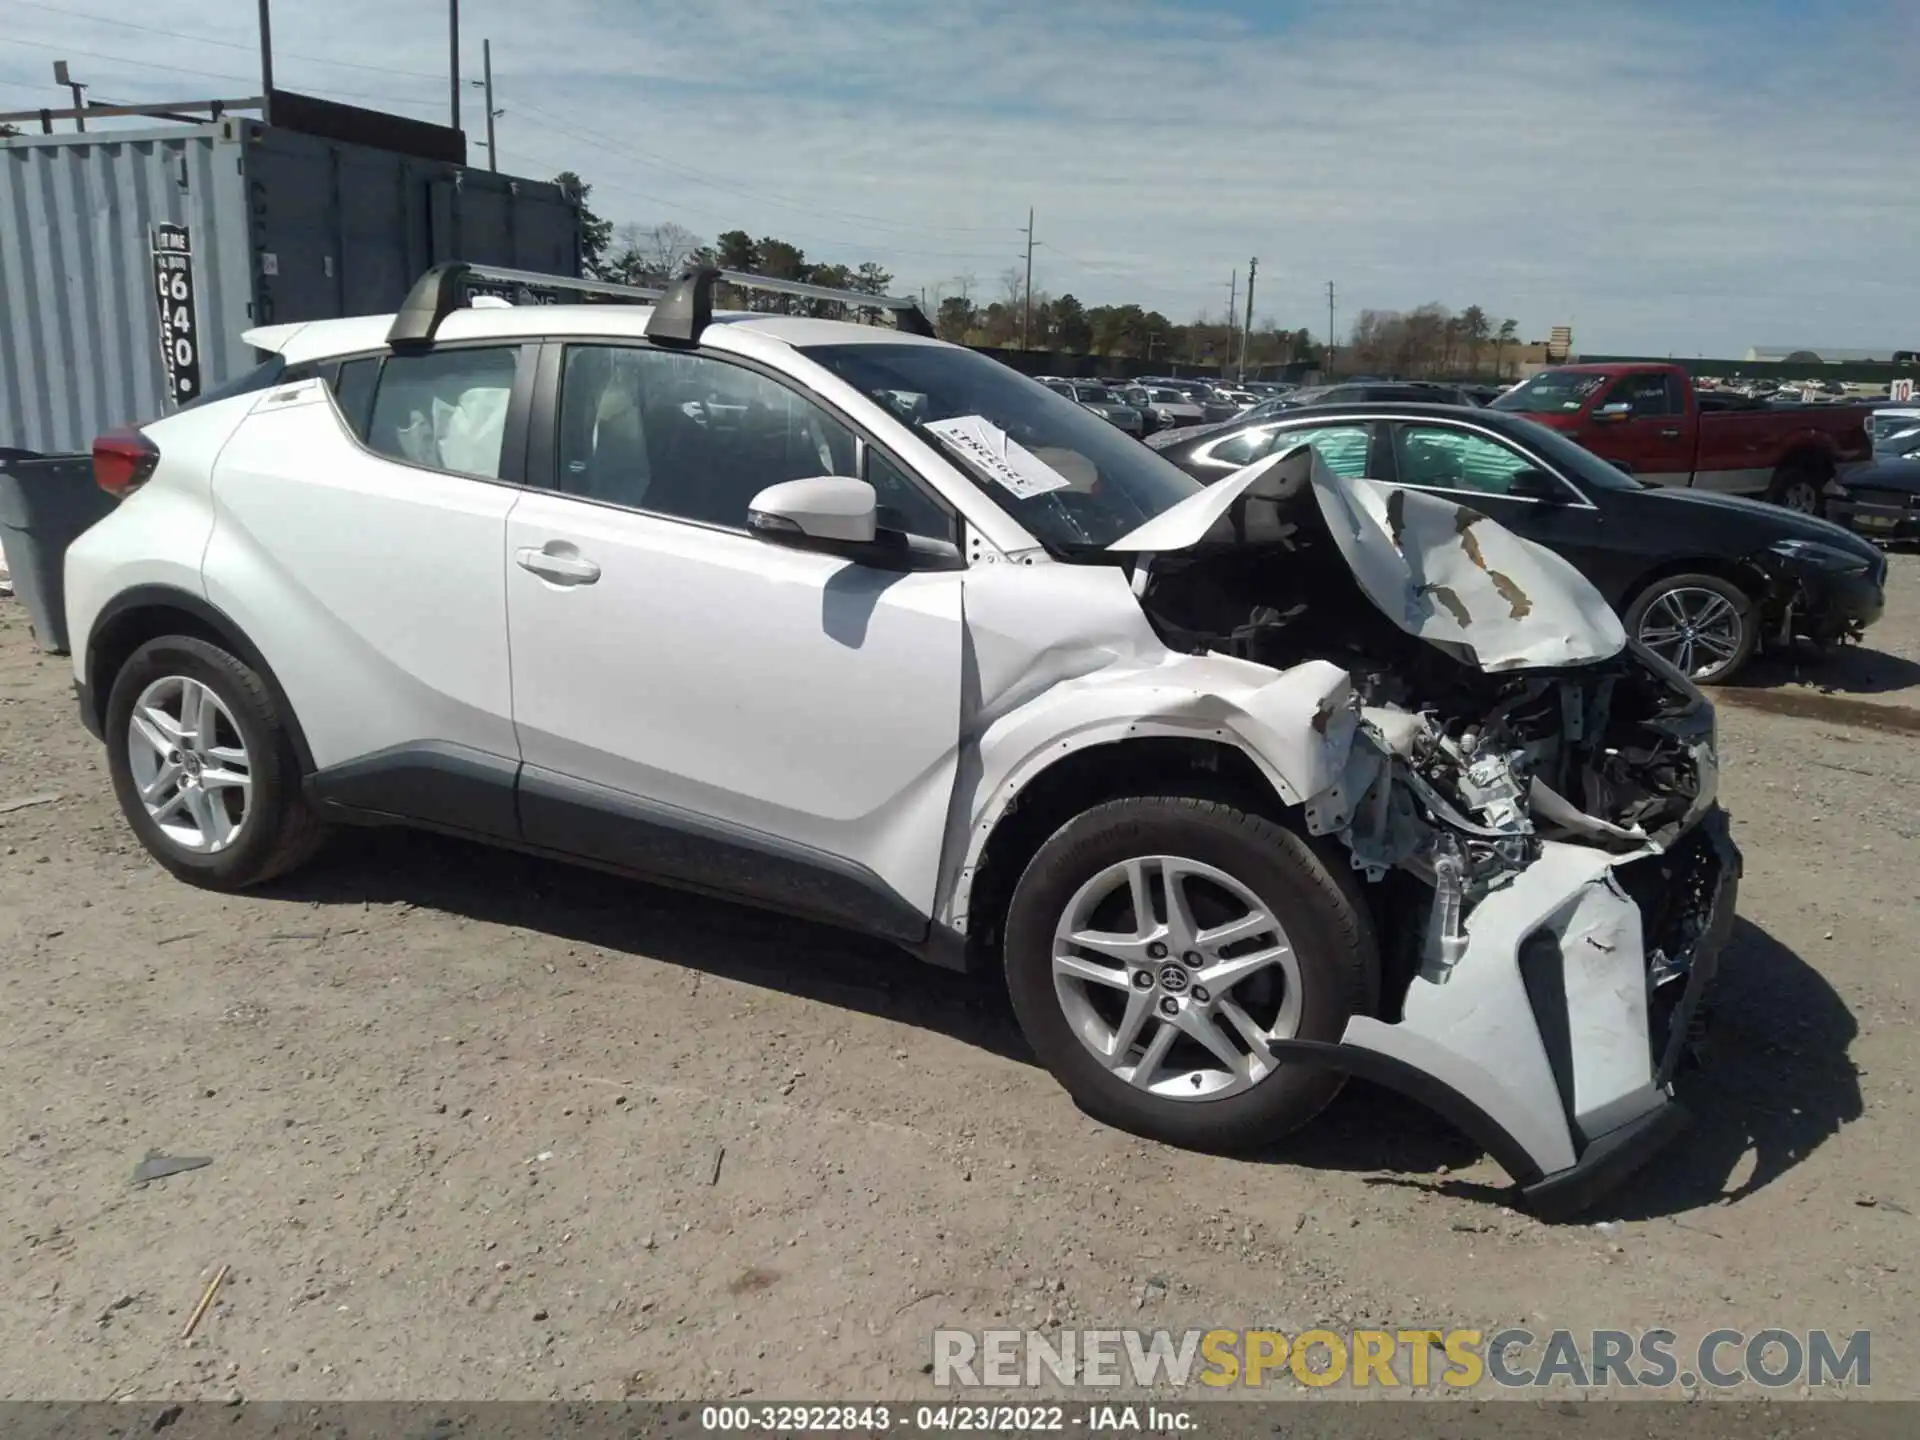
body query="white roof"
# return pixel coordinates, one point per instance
(317, 339)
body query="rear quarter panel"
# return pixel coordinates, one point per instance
(159, 534)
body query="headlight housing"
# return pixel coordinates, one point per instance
(1813, 554)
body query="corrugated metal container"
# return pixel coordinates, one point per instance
(284, 226)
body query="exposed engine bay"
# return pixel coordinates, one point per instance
(1532, 794)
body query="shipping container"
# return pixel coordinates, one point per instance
(276, 225)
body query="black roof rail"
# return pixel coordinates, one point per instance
(687, 307)
(446, 288)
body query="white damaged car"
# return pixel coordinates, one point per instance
(1244, 788)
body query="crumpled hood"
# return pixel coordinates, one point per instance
(1441, 571)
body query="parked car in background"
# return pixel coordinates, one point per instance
(1702, 579)
(1224, 402)
(1891, 423)
(1882, 500)
(1649, 417)
(1164, 408)
(1102, 402)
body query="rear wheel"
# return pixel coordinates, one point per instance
(203, 766)
(1156, 946)
(1799, 486)
(1703, 626)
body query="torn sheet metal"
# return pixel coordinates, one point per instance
(1438, 569)
(1448, 574)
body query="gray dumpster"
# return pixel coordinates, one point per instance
(46, 501)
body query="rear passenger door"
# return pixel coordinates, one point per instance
(360, 541)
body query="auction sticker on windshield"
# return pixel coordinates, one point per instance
(1000, 457)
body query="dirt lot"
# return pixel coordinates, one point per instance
(482, 1127)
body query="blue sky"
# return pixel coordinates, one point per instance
(1689, 178)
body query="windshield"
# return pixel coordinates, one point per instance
(1551, 392)
(1091, 484)
(1887, 424)
(1167, 397)
(1575, 460)
(1096, 395)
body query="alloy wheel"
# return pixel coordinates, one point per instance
(1176, 977)
(1694, 629)
(189, 764)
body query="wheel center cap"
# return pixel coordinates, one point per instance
(1173, 979)
(190, 762)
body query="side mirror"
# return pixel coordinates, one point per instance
(1614, 413)
(825, 512)
(1532, 484)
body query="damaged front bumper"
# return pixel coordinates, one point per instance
(1554, 1040)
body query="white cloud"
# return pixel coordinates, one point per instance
(1662, 182)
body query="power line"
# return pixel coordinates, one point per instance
(700, 177)
(204, 74)
(67, 14)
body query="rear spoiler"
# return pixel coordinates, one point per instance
(273, 338)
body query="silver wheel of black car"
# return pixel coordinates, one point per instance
(1701, 625)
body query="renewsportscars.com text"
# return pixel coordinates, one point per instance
(1387, 1359)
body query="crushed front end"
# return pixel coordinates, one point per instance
(1532, 797)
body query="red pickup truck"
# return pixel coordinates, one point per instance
(1648, 419)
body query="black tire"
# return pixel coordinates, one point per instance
(1799, 486)
(280, 831)
(1749, 636)
(1317, 905)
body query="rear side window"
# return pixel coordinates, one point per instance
(446, 410)
(353, 392)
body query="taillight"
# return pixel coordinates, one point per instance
(122, 461)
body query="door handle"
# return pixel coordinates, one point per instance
(1669, 432)
(558, 566)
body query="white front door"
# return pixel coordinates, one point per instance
(698, 704)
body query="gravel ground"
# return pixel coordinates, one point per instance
(488, 1128)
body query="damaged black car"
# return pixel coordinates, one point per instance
(1704, 580)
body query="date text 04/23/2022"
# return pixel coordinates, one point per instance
(939, 1419)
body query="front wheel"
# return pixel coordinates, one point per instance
(1154, 949)
(203, 766)
(1703, 626)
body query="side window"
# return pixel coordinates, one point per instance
(1244, 448)
(353, 392)
(685, 435)
(1342, 448)
(1446, 459)
(903, 504)
(1644, 394)
(446, 410)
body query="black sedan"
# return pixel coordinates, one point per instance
(1702, 579)
(1882, 501)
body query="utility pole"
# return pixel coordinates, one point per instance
(486, 69)
(1233, 305)
(1246, 330)
(1026, 318)
(1329, 365)
(61, 76)
(453, 56)
(266, 63)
